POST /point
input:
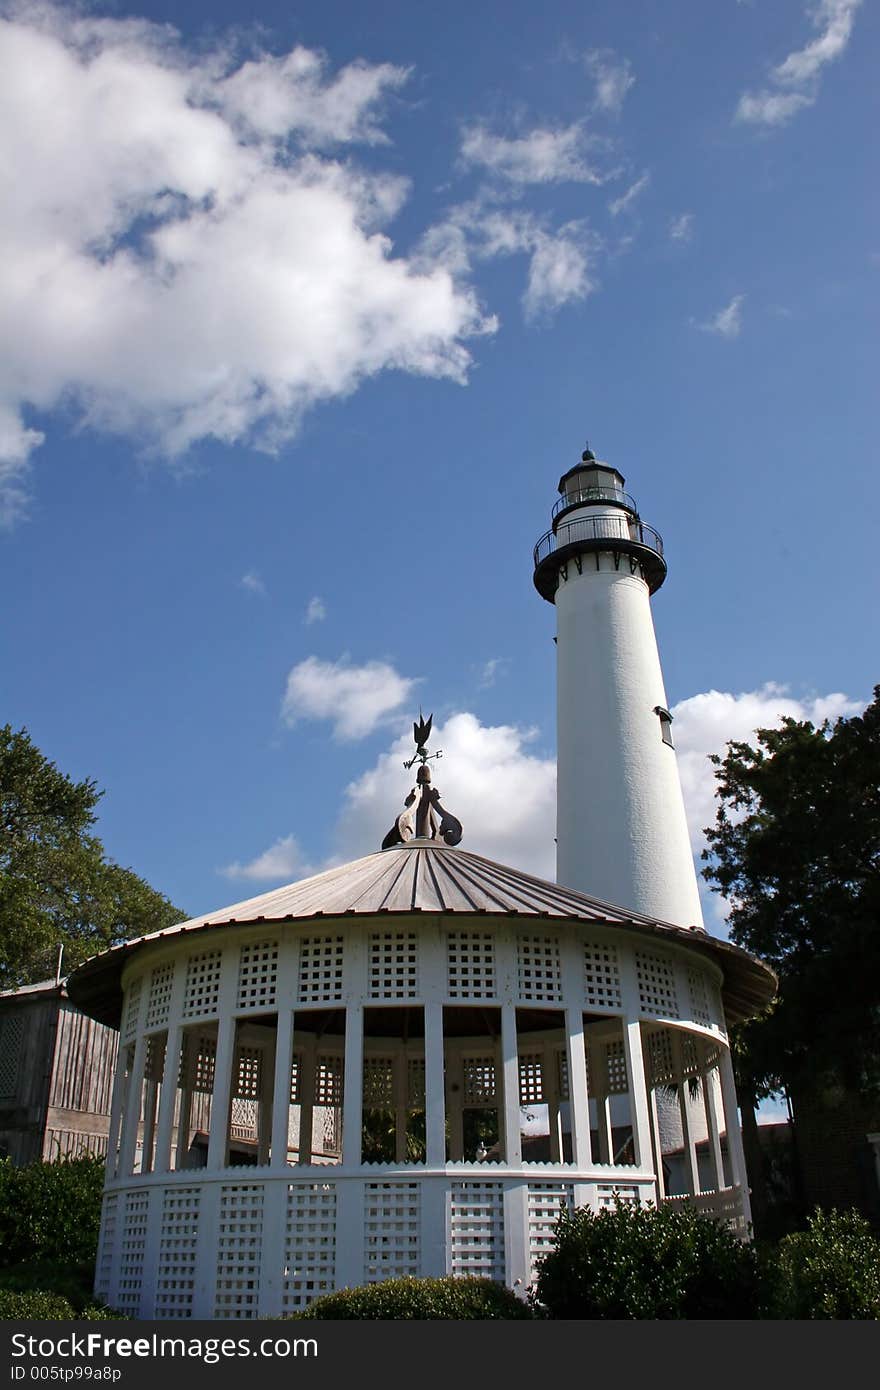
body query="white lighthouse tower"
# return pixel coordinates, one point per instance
(621, 830)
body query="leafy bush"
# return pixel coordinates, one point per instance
(34, 1304)
(830, 1270)
(645, 1262)
(72, 1281)
(50, 1211)
(423, 1299)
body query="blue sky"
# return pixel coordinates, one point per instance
(306, 314)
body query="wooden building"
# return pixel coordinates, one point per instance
(56, 1075)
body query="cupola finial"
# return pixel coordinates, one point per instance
(423, 816)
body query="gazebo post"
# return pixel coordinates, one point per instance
(435, 1100)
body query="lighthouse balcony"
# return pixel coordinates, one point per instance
(624, 536)
(592, 497)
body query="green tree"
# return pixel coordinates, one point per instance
(796, 851)
(56, 885)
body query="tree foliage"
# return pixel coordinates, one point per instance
(56, 885)
(830, 1270)
(796, 851)
(461, 1300)
(50, 1211)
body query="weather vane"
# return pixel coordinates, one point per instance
(423, 816)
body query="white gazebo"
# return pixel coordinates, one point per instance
(404, 1066)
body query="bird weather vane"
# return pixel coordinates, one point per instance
(423, 816)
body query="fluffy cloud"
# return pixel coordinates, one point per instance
(503, 794)
(356, 699)
(727, 323)
(178, 260)
(280, 863)
(794, 83)
(540, 156)
(253, 583)
(560, 261)
(613, 78)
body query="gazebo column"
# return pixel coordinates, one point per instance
(281, 1088)
(691, 1165)
(715, 1156)
(578, 1099)
(117, 1107)
(455, 1097)
(221, 1096)
(307, 1102)
(132, 1117)
(654, 1119)
(599, 1056)
(399, 1091)
(734, 1134)
(550, 1088)
(353, 1086)
(188, 1057)
(168, 1098)
(510, 1071)
(435, 1100)
(265, 1103)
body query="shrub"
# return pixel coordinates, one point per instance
(34, 1304)
(423, 1299)
(645, 1262)
(830, 1270)
(72, 1281)
(50, 1211)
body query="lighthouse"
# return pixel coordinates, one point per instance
(621, 829)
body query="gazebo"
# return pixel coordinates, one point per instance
(404, 1066)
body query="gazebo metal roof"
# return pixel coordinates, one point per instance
(425, 876)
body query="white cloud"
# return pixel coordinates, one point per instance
(795, 81)
(706, 723)
(681, 228)
(355, 698)
(316, 611)
(727, 323)
(253, 583)
(282, 862)
(492, 669)
(613, 77)
(560, 260)
(503, 794)
(626, 200)
(541, 156)
(176, 261)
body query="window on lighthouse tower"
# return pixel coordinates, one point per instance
(665, 724)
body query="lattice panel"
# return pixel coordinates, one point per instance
(257, 975)
(159, 1002)
(562, 1074)
(177, 1261)
(239, 1248)
(296, 1078)
(601, 976)
(104, 1262)
(320, 969)
(546, 1201)
(697, 988)
(378, 1081)
(661, 1065)
(132, 1251)
(243, 1119)
(415, 1082)
(309, 1244)
(608, 1195)
(656, 977)
(248, 1072)
(394, 965)
(391, 1230)
(11, 1036)
(202, 991)
(480, 1080)
(690, 1057)
(204, 1064)
(154, 1063)
(328, 1080)
(470, 965)
(538, 968)
(531, 1078)
(615, 1062)
(330, 1124)
(477, 1229)
(132, 1007)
